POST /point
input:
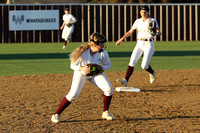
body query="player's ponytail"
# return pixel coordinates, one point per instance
(78, 51)
(95, 38)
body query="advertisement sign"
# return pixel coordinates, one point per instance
(34, 20)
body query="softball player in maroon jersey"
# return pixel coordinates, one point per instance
(145, 45)
(67, 26)
(80, 57)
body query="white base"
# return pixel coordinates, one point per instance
(127, 89)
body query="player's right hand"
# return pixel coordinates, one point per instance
(118, 42)
(85, 69)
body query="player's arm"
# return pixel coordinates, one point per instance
(85, 69)
(129, 33)
(76, 67)
(106, 61)
(74, 20)
(158, 33)
(62, 25)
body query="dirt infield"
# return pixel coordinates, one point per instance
(172, 104)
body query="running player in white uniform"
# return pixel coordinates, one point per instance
(67, 26)
(145, 45)
(80, 57)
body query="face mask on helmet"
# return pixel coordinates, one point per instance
(98, 35)
(98, 41)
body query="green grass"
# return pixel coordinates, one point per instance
(50, 58)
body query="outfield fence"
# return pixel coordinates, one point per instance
(178, 22)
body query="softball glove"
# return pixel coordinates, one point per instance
(152, 28)
(69, 25)
(94, 69)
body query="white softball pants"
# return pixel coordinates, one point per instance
(67, 32)
(79, 80)
(142, 47)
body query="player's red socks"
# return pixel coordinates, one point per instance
(64, 104)
(129, 72)
(65, 43)
(150, 70)
(106, 102)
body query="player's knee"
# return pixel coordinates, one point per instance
(109, 92)
(71, 98)
(144, 66)
(132, 64)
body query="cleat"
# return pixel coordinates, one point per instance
(106, 115)
(152, 77)
(55, 118)
(64, 47)
(122, 81)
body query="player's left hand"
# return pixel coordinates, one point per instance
(152, 28)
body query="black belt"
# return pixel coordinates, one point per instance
(69, 25)
(142, 39)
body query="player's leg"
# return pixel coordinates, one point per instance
(67, 35)
(148, 53)
(71, 31)
(103, 83)
(64, 33)
(65, 44)
(77, 84)
(136, 54)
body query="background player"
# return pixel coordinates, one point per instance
(80, 57)
(145, 45)
(67, 26)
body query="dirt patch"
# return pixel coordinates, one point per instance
(172, 104)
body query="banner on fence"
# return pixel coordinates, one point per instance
(34, 20)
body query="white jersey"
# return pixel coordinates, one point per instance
(67, 31)
(68, 18)
(87, 58)
(142, 28)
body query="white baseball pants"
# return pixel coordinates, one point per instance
(67, 32)
(79, 80)
(142, 47)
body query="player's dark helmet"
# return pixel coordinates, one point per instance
(146, 8)
(97, 38)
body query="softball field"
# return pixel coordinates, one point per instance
(171, 105)
(28, 100)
